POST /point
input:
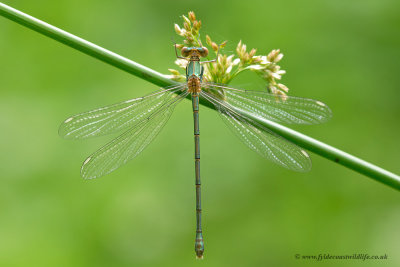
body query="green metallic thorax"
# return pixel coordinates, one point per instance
(194, 69)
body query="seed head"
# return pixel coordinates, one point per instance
(178, 29)
(174, 72)
(223, 44)
(228, 67)
(208, 40)
(274, 56)
(283, 87)
(186, 19)
(187, 26)
(192, 16)
(214, 46)
(196, 25)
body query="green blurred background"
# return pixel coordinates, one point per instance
(345, 53)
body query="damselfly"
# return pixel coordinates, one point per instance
(142, 119)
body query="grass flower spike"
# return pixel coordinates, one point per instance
(227, 67)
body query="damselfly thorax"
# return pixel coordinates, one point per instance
(194, 69)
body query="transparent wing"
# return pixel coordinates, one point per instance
(116, 117)
(281, 109)
(264, 142)
(129, 144)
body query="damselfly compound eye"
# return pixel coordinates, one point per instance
(185, 51)
(203, 51)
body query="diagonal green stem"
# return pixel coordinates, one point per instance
(85, 46)
(159, 79)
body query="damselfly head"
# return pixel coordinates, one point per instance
(194, 51)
